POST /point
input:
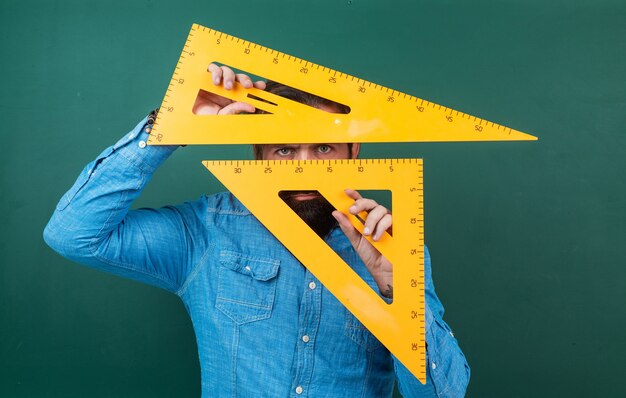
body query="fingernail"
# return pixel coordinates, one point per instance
(366, 231)
(228, 85)
(352, 209)
(216, 80)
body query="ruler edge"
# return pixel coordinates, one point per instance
(196, 27)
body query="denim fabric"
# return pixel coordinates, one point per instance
(265, 326)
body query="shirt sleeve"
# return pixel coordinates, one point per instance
(447, 371)
(92, 223)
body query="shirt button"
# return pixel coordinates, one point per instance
(434, 366)
(248, 268)
(305, 338)
(147, 129)
(299, 390)
(142, 144)
(312, 285)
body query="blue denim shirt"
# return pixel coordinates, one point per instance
(265, 326)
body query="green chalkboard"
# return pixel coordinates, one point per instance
(528, 239)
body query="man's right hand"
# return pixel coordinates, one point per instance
(212, 104)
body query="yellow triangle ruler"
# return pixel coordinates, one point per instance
(399, 325)
(377, 114)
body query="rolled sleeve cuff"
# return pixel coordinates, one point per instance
(134, 147)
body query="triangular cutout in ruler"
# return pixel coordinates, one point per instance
(377, 114)
(399, 325)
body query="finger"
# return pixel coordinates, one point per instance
(216, 71)
(354, 210)
(347, 228)
(353, 194)
(363, 204)
(260, 85)
(244, 79)
(203, 109)
(373, 218)
(228, 77)
(206, 98)
(236, 108)
(383, 225)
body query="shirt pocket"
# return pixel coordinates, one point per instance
(246, 287)
(359, 334)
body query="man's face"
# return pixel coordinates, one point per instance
(313, 208)
(308, 151)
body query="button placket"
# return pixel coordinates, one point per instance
(309, 317)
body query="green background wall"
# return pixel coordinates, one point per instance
(528, 239)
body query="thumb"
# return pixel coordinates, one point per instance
(236, 108)
(353, 235)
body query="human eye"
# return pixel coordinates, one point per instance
(284, 151)
(324, 148)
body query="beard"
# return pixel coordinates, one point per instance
(316, 212)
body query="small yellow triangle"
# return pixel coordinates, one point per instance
(399, 325)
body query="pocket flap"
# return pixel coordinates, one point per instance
(258, 268)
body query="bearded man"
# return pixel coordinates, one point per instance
(265, 326)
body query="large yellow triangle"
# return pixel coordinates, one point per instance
(399, 325)
(377, 114)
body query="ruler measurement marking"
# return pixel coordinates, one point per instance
(199, 34)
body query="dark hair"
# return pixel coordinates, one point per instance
(304, 98)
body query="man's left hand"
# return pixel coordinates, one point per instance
(377, 222)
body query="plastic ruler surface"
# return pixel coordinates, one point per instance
(377, 114)
(399, 325)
